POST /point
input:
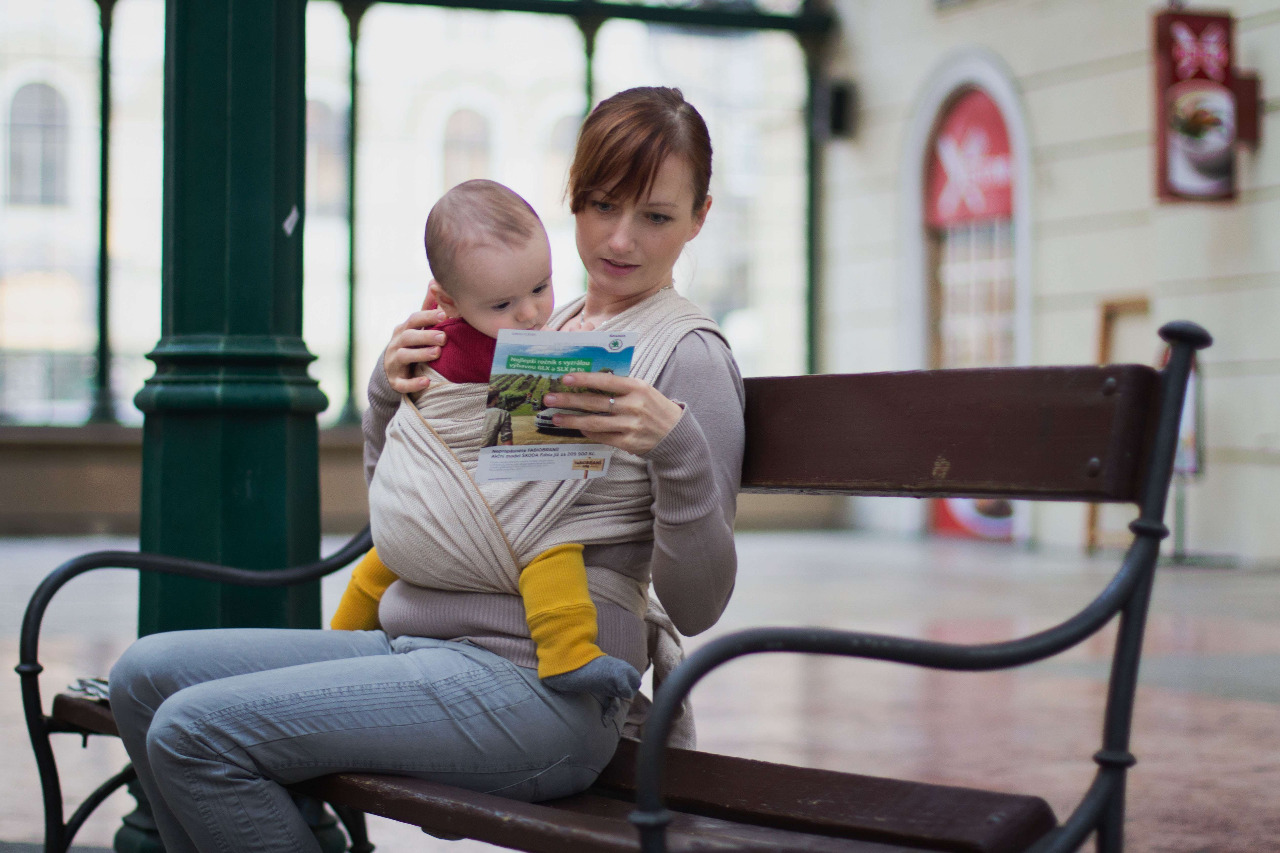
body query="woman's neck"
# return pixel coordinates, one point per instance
(598, 307)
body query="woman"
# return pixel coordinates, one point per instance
(217, 721)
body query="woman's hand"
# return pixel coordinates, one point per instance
(413, 342)
(632, 415)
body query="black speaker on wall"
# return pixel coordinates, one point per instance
(842, 109)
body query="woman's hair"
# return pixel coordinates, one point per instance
(626, 138)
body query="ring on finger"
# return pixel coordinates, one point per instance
(611, 401)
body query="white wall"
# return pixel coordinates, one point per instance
(1083, 79)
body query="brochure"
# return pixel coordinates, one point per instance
(522, 441)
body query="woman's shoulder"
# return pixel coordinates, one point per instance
(700, 363)
(706, 346)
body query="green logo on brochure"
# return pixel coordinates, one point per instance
(615, 344)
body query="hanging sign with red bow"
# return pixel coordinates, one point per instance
(1209, 53)
(1204, 107)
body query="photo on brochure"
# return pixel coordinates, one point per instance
(522, 441)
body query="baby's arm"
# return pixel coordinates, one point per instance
(358, 609)
(562, 622)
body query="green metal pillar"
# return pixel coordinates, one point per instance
(589, 25)
(354, 10)
(104, 408)
(230, 459)
(815, 45)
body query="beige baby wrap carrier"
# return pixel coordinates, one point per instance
(435, 527)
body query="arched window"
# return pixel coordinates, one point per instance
(38, 144)
(466, 148)
(326, 159)
(969, 210)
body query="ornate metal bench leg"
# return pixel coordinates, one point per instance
(323, 824)
(138, 834)
(1111, 827)
(353, 820)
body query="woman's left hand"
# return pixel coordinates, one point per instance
(630, 415)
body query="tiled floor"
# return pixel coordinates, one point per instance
(1207, 728)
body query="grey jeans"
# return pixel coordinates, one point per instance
(217, 721)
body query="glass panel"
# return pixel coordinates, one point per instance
(557, 157)
(326, 159)
(747, 267)
(46, 366)
(466, 147)
(434, 109)
(974, 328)
(137, 178)
(975, 291)
(325, 233)
(48, 210)
(419, 66)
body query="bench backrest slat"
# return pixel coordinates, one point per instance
(1044, 433)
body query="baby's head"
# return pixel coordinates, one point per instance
(490, 259)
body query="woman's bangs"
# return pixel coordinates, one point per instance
(626, 169)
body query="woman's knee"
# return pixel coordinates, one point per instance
(140, 679)
(140, 658)
(177, 736)
(165, 739)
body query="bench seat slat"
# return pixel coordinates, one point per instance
(825, 801)
(586, 823)
(1014, 432)
(722, 802)
(84, 715)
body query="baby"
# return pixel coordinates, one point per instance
(491, 270)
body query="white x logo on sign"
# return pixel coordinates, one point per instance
(963, 165)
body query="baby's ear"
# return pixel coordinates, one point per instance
(430, 302)
(440, 298)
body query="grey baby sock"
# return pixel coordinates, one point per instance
(604, 677)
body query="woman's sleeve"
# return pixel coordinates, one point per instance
(695, 472)
(383, 402)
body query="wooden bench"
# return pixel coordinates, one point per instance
(1041, 433)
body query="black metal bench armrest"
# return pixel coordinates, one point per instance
(923, 653)
(39, 726)
(1136, 567)
(1127, 594)
(59, 577)
(29, 667)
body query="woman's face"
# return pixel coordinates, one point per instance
(630, 246)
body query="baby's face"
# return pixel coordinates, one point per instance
(500, 287)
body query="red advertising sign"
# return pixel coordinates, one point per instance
(973, 518)
(1196, 109)
(970, 173)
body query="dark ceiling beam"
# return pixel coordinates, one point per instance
(721, 18)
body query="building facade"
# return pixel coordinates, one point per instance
(990, 199)
(1076, 257)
